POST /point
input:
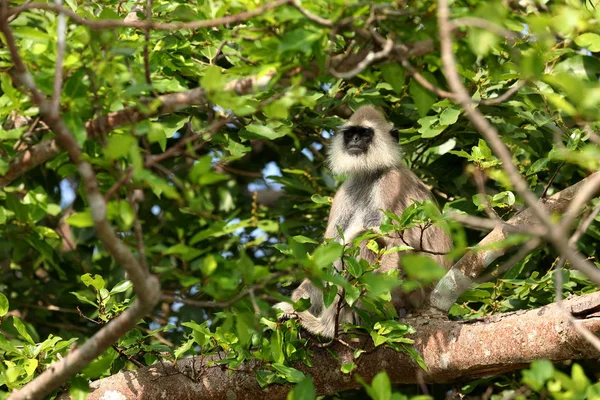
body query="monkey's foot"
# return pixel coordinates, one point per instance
(288, 316)
(288, 311)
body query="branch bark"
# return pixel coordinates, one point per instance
(29, 159)
(452, 350)
(472, 264)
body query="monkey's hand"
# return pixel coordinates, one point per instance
(288, 311)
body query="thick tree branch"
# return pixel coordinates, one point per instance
(452, 350)
(472, 264)
(29, 159)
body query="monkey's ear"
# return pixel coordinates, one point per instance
(395, 134)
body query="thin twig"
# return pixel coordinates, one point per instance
(485, 24)
(147, 42)
(422, 81)
(594, 137)
(115, 188)
(61, 33)
(588, 191)
(139, 233)
(309, 15)
(552, 178)
(170, 26)
(365, 62)
(504, 96)
(558, 282)
(523, 252)
(223, 304)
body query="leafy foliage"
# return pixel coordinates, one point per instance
(196, 186)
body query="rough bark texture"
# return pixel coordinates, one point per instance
(453, 351)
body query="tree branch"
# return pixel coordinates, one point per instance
(29, 159)
(146, 287)
(452, 350)
(170, 26)
(472, 264)
(554, 234)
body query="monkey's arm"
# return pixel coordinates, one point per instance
(334, 215)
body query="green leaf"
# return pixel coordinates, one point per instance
(449, 116)
(327, 254)
(537, 375)
(589, 41)
(81, 219)
(580, 381)
(380, 388)
(394, 75)
(118, 146)
(121, 287)
(96, 281)
(30, 366)
(78, 388)
(304, 239)
(430, 126)
(422, 97)
(304, 390)
(422, 268)
(4, 166)
(184, 348)
(213, 79)
(209, 265)
(101, 365)
(20, 327)
(353, 267)
(482, 41)
(329, 294)
(317, 198)
(299, 40)
(348, 367)
(277, 347)
(288, 373)
(127, 214)
(83, 299)
(265, 131)
(3, 305)
(8, 347)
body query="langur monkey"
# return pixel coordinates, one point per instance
(366, 150)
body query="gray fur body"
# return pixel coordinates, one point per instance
(376, 181)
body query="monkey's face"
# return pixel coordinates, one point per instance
(357, 139)
(365, 144)
(365, 148)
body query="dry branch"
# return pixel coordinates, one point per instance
(463, 273)
(452, 350)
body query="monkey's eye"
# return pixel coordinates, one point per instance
(342, 131)
(360, 131)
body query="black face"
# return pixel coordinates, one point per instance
(357, 139)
